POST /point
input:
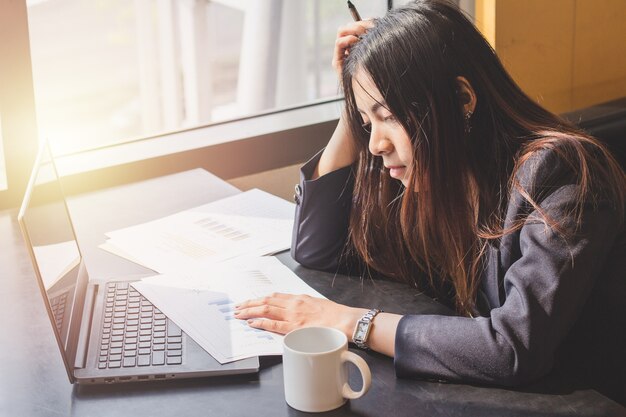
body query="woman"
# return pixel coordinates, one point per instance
(443, 174)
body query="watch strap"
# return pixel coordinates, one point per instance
(364, 323)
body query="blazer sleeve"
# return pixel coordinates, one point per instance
(322, 214)
(545, 288)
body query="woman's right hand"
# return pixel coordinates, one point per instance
(347, 36)
(341, 150)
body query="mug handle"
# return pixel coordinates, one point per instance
(360, 363)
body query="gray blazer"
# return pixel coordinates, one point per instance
(546, 302)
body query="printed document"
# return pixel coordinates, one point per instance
(202, 304)
(250, 223)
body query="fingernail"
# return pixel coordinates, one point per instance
(236, 313)
(251, 322)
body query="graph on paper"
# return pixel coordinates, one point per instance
(252, 223)
(202, 304)
(222, 230)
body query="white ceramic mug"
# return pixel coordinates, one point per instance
(315, 369)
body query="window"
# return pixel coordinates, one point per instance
(111, 71)
(3, 165)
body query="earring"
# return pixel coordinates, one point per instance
(466, 121)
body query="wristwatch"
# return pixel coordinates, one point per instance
(363, 328)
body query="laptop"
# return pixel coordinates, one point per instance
(106, 331)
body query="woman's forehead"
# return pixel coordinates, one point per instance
(366, 93)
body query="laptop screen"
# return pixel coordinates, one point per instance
(50, 238)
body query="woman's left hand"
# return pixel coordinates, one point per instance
(286, 312)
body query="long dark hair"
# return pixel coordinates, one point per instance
(465, 174)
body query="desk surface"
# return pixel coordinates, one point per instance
(33, 381)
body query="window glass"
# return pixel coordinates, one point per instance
(117, 70)
(3, 166)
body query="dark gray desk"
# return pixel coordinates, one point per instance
(33, 381)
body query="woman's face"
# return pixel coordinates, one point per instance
(388, 139)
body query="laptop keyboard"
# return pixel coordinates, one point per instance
(57, 305)
(135, 332)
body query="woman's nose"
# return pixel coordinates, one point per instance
(379, 144)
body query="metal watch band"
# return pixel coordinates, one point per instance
(363, 327)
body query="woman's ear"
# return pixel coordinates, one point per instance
(466, 93)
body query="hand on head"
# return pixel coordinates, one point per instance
(346, 37)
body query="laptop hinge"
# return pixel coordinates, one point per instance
(85, 327)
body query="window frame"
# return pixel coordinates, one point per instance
(228, 149)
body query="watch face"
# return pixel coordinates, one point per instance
(361, 330)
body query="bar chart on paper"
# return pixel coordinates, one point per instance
(226, 232)
(253, 223)
(204, 243)
(202, 304)
(226, 307)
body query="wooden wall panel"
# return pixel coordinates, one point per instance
(535, 40)
(599, 68)
(566, 54)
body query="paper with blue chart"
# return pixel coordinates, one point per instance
(210, 258)
(201, 303)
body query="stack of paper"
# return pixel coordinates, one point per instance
(249, 223)
(210, 259)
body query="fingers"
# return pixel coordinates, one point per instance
(355, 28)
(265, 311)
(342, 46)
(346, 37)
(281, 327)
(272, 307)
